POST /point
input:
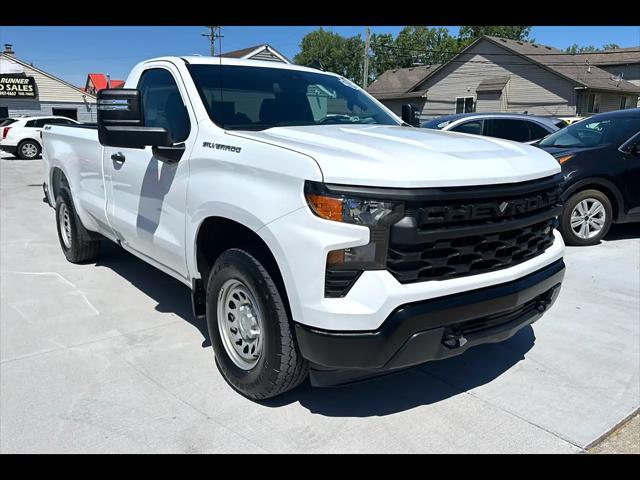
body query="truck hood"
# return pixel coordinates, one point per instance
(396, 156)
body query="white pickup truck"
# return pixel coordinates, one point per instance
(318, 232)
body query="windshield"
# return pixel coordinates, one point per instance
(256, 98)
(593, 133)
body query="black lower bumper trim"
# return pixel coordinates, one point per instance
(433, 329)
(9, 149)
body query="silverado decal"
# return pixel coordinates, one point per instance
(220, 146)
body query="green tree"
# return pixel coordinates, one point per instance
(382, 54)
(575, 48)
(335, 53)
(424, 45)
(414, 45)
(468, 34)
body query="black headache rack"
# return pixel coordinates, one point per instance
(453, 232)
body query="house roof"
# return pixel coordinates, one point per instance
(251, 51)
(399, 82)
(572, 67)
(614, 56)
(492, 84)
(406, 82)
(99, 81)
(12, 58)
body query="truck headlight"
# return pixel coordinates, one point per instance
(376, 214)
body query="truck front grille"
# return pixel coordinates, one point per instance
(474, 230)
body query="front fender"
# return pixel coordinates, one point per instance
(608, 185)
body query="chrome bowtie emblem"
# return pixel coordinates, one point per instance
(503, 207)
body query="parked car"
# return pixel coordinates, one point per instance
(570, 120)
(21, 136)
(316, 233)
(510, 126)
(600, 159)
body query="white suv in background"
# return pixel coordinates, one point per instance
(21, 136)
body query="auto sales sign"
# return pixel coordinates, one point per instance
(13, 86)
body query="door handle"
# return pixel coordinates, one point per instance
(118, 157)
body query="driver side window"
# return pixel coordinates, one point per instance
(162, 104)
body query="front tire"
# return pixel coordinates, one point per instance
(250, 328)
(28, 150)
(586, 218)
(75, 241)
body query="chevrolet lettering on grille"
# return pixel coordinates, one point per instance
(477, 211)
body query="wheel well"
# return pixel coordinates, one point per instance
(58, 179)
(217, 234)
(29, 139)
(613, 198)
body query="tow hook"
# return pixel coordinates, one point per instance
(452, 340)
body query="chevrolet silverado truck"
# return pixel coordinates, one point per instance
(320, 235)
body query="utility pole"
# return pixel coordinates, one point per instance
(365, 73)
(214, 33)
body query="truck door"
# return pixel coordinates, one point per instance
(146, 201)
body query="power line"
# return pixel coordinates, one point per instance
(542, 53)
(214, 33)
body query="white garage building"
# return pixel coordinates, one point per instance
(27, 90)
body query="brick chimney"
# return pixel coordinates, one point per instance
(8, 49)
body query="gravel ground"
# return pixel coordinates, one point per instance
(624, 439)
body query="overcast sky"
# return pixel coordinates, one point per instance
(72, 52)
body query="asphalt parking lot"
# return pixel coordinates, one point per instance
(108, 358)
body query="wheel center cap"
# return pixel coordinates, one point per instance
(247, 323)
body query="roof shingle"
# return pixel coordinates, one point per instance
(572, 67)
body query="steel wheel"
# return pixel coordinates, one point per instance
(588, 218)
(29, 150)
(240, 324)
(65, 225)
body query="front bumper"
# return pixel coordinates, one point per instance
(433, 329)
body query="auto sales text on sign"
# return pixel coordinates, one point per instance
(18, 87)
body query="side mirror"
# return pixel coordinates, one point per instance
(410, 114)
(121, 121)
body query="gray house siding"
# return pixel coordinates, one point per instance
(267, 56)
(396, 105)
(531, 88)
(491, 102)
(631, 73)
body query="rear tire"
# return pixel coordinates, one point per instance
(245, 311)
(28, 150)
(76, 243)
(586, 218)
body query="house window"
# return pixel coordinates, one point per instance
(65, 112)
(593, 106)
(465, 105)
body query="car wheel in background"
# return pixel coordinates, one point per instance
(250, 328)
(76, 243)
(586, 218)
(28, 150)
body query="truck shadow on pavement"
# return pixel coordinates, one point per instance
(171, 295)
(423, 385)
